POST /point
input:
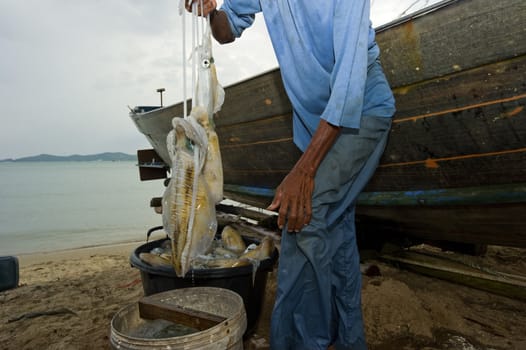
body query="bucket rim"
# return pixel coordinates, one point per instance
(239, 317)
(192, 274)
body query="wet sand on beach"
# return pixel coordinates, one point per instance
(402, 310)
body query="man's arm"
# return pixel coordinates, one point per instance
(293, 196)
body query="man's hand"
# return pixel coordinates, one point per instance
(294, 195)
(218, 19)
(294, 199)
(208, 6)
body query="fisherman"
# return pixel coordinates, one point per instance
(342, 109)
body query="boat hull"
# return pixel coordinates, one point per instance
(457, 72)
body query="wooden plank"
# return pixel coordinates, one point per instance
(455, 172)
(479, 169)
(479, 129)
(154, 309)
(493, 82)
(463, 35)
(275, 156)
(234, 193)
(270, 139)
(263, 131)
(483, 139)
(242, 211)
(267, 171)
(478, 224)
(246, 177)
(253, 99)
(435, 266)
(495, 194)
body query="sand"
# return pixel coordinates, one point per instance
(82, 289)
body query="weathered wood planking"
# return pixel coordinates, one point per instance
(252, 154)
(490, 83)
(464, 35)
(275, 129)
(488, 224)
(480, 130)
(260, 97)
(481, 170)
(478, 138)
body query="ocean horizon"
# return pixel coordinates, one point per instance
(51, 206)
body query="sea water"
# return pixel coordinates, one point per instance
(48, 206)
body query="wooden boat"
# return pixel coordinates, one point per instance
(455, 165)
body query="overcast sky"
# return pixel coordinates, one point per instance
(70, 68)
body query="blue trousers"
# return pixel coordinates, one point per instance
(318, 298)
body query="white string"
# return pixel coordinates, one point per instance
(202, 22)
(195, 28)
(194, 52)
(196, 22)
(185, 108)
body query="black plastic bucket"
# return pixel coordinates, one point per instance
(238, 279)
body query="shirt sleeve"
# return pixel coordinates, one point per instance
(348, 78)
(241, 14)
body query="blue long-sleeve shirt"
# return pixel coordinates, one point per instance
(324, 49)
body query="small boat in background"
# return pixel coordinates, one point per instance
(454, 169)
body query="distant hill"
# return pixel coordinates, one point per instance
(107, 156)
